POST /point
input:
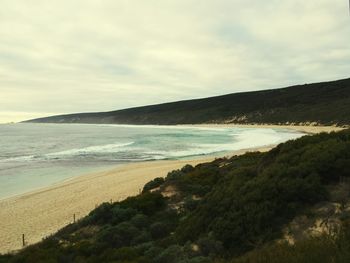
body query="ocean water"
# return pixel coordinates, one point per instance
(38, 155)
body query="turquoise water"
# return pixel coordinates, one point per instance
(38, 155)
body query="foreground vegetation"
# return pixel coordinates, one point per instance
(229, 210)
(325, 103)
(333, 247)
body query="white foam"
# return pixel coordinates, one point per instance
(261, 137)
(249, 138)
(107, 148)
(19, 158)
(173, 127)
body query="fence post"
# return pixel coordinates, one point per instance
(23, 241)
(73, 218)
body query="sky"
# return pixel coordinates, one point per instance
(68, 56)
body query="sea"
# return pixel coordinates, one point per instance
(33, 156)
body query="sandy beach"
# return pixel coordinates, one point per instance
(300, 128)
(40, 213)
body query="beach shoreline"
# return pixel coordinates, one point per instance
(307, 129)
(42, 212)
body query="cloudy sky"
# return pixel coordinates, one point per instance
(64, 56)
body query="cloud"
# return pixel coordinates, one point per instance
(74, 56)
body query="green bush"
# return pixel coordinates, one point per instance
(146, 203)
(153, 184)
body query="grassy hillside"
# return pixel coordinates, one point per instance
(227, 210)
(324, 103)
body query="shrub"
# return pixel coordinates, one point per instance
(146, 203)
(159, 230)
(153, 184)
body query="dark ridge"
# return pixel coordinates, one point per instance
(325, 103)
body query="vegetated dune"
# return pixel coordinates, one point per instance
(231, 209)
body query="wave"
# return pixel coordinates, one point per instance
(241, 140)
(237, 139)
(262, 137)
(19, 158)
(173, 127)
(196, 150)
(107, 148)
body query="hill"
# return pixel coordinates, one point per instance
(326, 103)
(239, 209)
